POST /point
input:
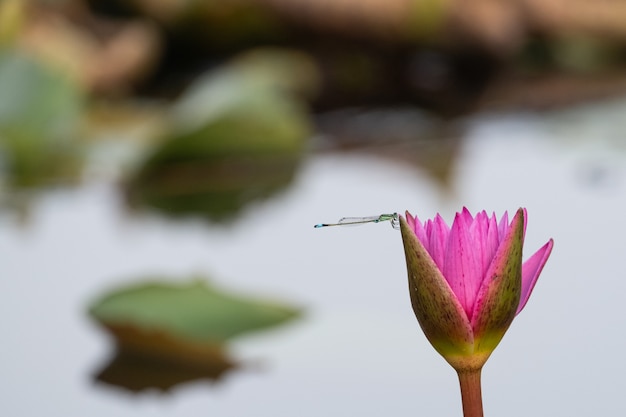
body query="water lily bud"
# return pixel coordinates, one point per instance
(467, 282)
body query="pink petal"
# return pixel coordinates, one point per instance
(467, 216)
(438, 241)
(480, 231)
(503, 226)
(462, 268)
(530, 272)
(417, 228)
(499, 293)
(492, 240)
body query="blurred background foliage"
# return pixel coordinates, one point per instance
(39, 118)
(212, 103)
(201, 107)
(236, 135)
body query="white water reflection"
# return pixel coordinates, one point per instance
(359, 350)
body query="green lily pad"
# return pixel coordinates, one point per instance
(194, 313)
(40, 113)
(168, 334)
(237, 136)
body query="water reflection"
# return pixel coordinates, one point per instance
(407, 136)
(137, 372)
(216, 187)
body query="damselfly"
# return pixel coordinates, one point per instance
(350, 221)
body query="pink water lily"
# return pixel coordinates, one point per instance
(467, 282)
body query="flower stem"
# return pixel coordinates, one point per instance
(470, 393)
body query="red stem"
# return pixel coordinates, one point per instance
(470, 393)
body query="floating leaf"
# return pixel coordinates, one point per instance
(168, 333)
(238, 136)
(40, 112)
(195, 312)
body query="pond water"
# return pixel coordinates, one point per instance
(358, 349)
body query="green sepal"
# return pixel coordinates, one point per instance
(500, 292)
(436, 307)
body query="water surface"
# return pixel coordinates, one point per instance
(358, 350)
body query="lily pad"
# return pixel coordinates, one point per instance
(40, 113)
(171, 333)
(237, 136)
(195, 313)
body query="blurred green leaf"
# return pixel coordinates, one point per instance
(170, 333)
(194, 311)
(263, 83)
(239, 116)
(40, 112)
(36, 101)
(237, 136)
